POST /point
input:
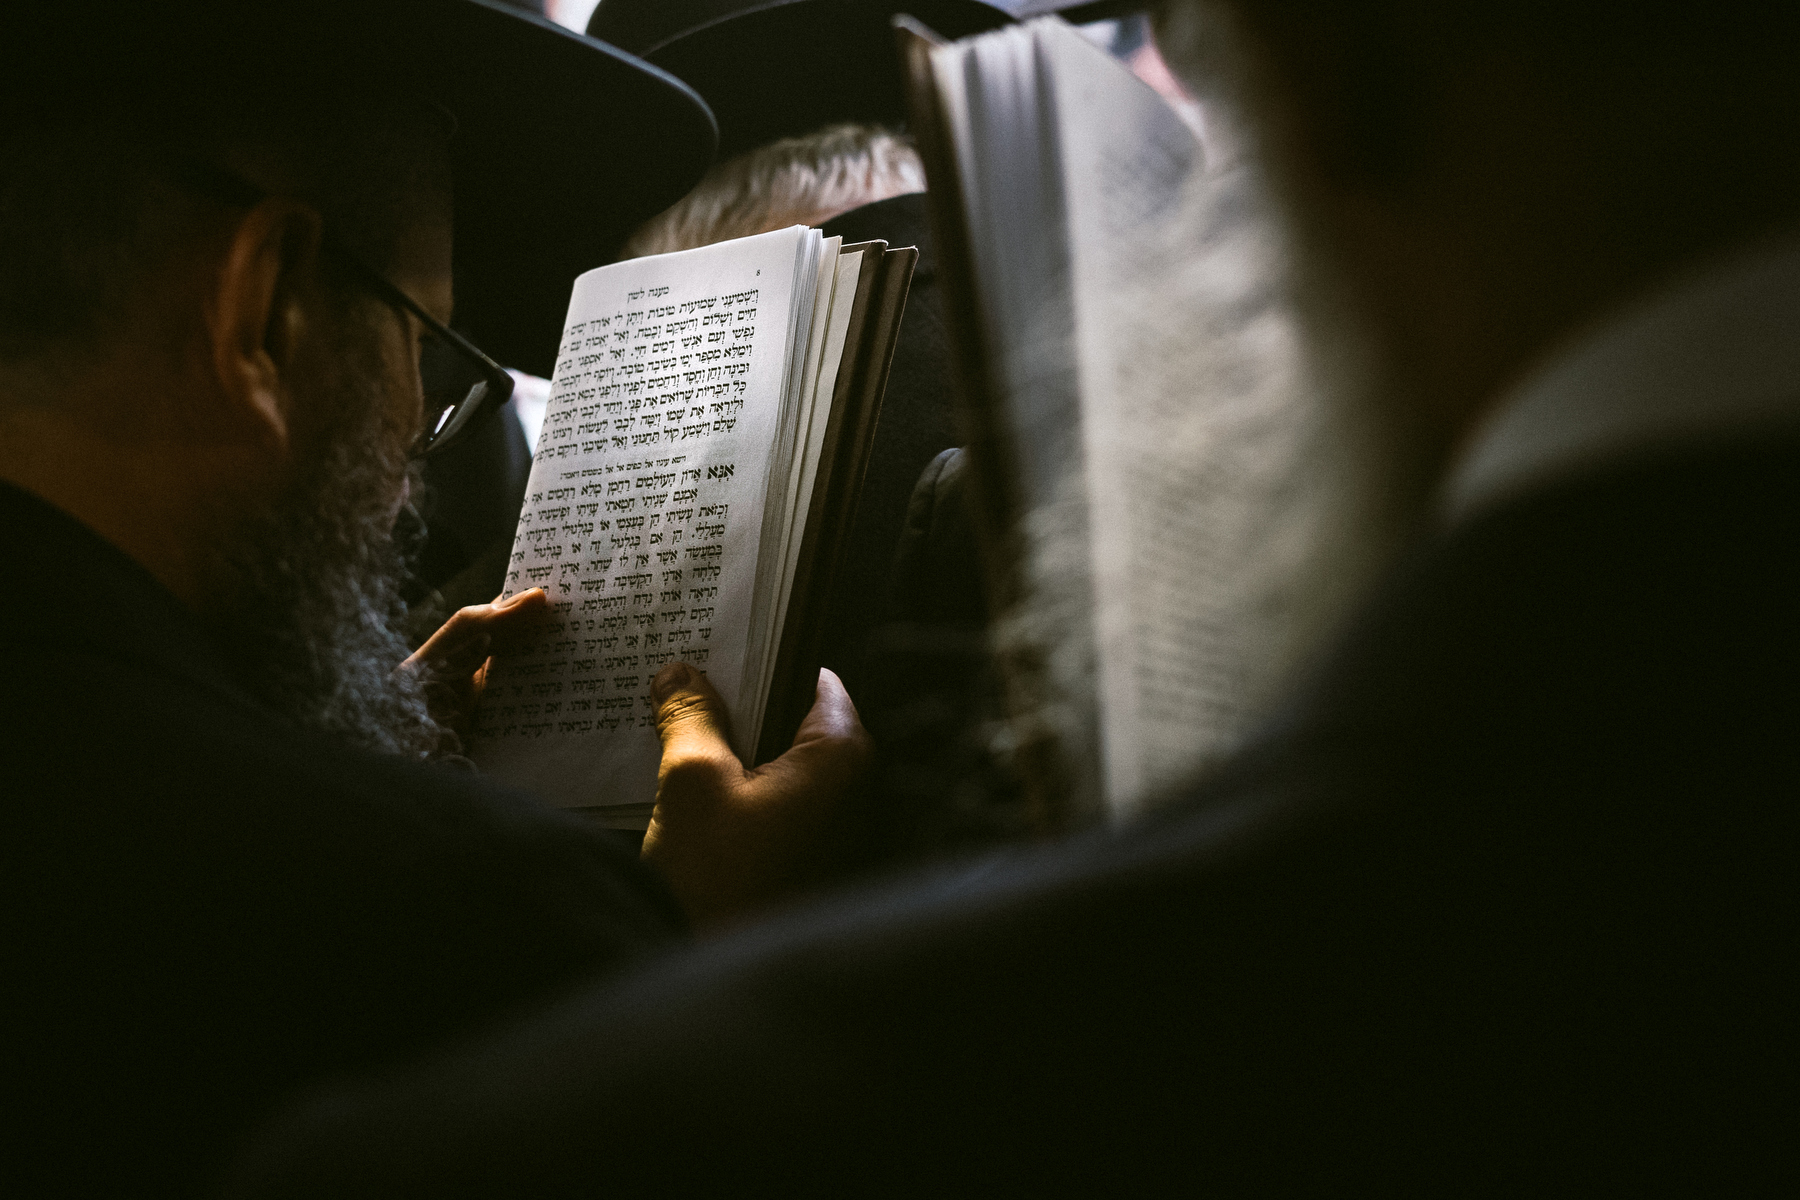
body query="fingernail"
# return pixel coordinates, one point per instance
(671, 678)
(516, 599)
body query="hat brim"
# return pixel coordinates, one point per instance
(564, 146)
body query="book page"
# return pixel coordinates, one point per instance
(644, 509)
(1125, 155)
(1008, 163)
(778, 509)
(831, 325)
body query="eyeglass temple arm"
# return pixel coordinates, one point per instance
(394, 295)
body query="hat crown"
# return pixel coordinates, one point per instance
(780, 68)
(644, 27)
(549, 178)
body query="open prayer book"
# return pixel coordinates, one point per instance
(1047, 160)
(694, 481)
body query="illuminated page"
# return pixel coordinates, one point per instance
(837, 297)
(643, 513)
(778, 514)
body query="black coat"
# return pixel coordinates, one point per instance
(907, 621)
(932, 693)
(918, 422)
(1505, 903)
(204, 907)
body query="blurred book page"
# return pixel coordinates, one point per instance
(1125, 155)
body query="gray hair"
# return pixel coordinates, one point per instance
(795, 181)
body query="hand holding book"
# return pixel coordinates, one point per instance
(455, 659)
(730, 838)
(693, 482)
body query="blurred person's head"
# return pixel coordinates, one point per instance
(803, 180)
(1405, 207)
(1484, 180)
(1402, 207)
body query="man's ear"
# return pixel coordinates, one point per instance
(259, 314)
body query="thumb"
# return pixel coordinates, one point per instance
(831, 747)
(691, 721)
(833, 714)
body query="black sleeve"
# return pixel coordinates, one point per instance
(931, 690)
(204, 910)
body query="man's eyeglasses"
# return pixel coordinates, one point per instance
(462, 386)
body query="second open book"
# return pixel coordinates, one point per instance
(695, 477)
(1048, 162)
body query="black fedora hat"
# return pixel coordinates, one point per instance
(1079, 12)
(777, 68)
(563, 144)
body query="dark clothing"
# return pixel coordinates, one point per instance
(918, 422)
(205, 907)
(937, 565)
(933, 694)
(472, 496)
(1505, 903)
(907, 622)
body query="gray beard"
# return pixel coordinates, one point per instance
(315, 629)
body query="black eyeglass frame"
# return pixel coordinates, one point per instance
(457, 420)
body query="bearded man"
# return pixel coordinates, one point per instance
(1499, 901)
(239, 854)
